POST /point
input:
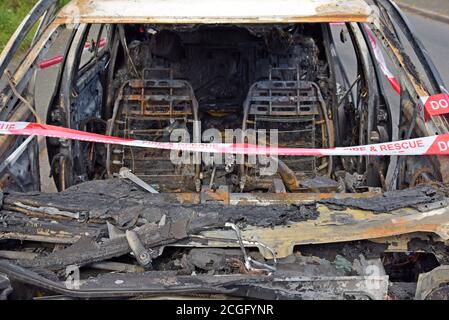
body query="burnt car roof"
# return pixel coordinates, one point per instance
(214, 11)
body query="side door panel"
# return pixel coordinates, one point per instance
(81, 102)
(17, 104)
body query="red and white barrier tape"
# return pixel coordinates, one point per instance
(381, 60)
(432, 145)
(431, 106)
(101, 44)
(436, 105)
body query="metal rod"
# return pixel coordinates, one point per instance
(16, 154)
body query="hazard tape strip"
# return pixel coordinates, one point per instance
(436, 105)
(381, 60)
(432, 145)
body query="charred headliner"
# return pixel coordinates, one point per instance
(214, 11)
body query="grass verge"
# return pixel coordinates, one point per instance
(12, 13)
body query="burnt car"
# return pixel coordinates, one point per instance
(81, 219)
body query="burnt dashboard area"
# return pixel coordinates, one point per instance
(107, 238)
(222, 84)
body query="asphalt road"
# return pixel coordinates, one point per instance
(435, 37)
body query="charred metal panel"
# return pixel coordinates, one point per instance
(215, 11)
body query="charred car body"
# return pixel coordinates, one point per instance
(87, 220)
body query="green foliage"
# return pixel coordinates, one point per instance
(12, 12)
